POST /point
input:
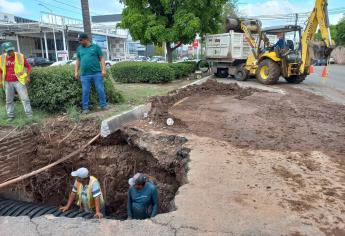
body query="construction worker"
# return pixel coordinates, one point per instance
(91, 63)
(15, 74)
(280, 44)
(142, 198)
(87, 194)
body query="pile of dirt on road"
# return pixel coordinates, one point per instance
(255, 119)
(161, 104)
(113, 160)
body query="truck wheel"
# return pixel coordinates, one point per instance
(268, 72)
(295, 79)
(241, 73)
(222, 73)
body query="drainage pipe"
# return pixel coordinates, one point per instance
(10, 207)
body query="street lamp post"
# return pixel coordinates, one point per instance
(56, 54)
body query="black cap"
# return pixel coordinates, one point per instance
(83, 36)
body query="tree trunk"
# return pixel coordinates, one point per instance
(169, 52)
(86, 17)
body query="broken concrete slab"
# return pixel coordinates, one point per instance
(114, 123)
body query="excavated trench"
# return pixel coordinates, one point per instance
(113, 160)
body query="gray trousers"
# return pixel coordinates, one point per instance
(10, 88)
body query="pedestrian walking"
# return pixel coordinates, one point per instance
(15, 75)
(142, 198)
(90, 68)
(86, 193)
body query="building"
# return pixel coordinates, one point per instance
(134, 48)
(56, 37)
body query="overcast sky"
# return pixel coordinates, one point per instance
(31, 8)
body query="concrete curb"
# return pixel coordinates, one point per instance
(114, 123)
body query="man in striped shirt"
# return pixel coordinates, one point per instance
(87, 193)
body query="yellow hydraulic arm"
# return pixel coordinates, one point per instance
(318, 17)
(247, 28)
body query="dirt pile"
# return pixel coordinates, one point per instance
(161, 104)
(113, 160)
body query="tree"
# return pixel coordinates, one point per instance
(86, 17)
(337, 33)
(340, 32)
(173, 22)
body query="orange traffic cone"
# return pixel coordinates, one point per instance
(324, 72)
(311, 69)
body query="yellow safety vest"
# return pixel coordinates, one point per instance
(91, 200)
(19, 69)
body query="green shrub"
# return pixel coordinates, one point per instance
(182, 69)
(142, 72)
(54, 89)
(193, 64)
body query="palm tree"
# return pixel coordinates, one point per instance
(86, 17)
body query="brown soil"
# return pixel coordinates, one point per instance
(113, 160)
(255, 119)
(304, 131)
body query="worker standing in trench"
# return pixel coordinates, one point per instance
(142, 198)
(87, 193)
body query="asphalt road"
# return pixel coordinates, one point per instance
(332, 88)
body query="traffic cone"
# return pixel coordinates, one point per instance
(324, 72)
(311, 69)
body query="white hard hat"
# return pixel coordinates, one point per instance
(81, 173)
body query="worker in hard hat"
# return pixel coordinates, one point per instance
(142, 198)
(86, 193)
(15, 75)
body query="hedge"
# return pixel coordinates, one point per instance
(142, 72)
(54, 89)
(182, 69)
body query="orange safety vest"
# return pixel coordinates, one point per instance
(91, 200)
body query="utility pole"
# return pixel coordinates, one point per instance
(86, 17)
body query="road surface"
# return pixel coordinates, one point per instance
(332, 88)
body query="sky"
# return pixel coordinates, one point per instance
(31, 8)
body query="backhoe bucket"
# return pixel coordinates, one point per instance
(319, 50)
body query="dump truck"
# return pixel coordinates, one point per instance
(246, 50)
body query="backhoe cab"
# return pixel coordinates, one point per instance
(272, 62)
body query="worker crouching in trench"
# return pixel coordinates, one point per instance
(86, 193)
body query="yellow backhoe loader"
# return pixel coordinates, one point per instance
(268, 63)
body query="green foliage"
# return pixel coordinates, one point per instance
(182, 69)
(340, 33)
(54, 89)
(229, 10)
(170, 21)
(337, 33)
(333, 30)
(142, 72)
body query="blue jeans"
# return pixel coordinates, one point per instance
(86, 81)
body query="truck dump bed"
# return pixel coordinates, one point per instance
(229, 47)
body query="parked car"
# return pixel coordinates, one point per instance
(158, 59)
(320, 62)
(331, 60)
(61, 63)
(39, 61)
(108, 63)
(142, 58)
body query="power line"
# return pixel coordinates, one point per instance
(76, 7)
(301, 14)
(58, 7)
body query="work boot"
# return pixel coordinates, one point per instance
(105, 108)
(85, 112)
